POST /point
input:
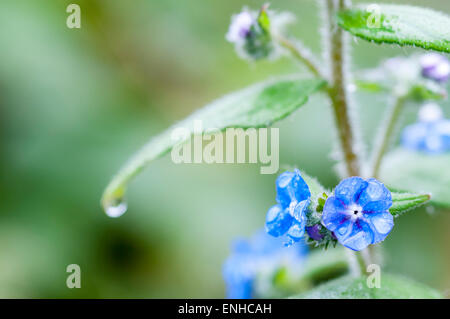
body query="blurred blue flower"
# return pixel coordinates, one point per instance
(259, 256)
(358, 213)
(288, 217)
(431, 134)
(435, 67)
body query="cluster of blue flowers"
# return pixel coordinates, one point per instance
(357, 213)
(258, 257)
(431, 134)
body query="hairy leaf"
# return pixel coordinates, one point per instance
(403, 202)
(411, 171)
(391, 287)
(314, 185)
(257, 106)
(323, 265)
(398, 24)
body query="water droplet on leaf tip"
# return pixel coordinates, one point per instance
(116, 210)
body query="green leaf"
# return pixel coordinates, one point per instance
(263, 19)
(411, 171)
(403, 202)
(314, 185)
(399, 24)
(319, 267)
(259, 105)
(317, 192)
(323, 265)
(370, 86)
(427, 90)
(421, 91)
(391, 287)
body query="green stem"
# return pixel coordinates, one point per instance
(357, 262)
(300, 53)
(386, 133)
(337, 90)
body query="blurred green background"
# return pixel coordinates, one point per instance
(76, 103)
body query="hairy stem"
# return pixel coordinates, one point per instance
(337, 89)
(301, 54)
(337, 55)
(386, 133)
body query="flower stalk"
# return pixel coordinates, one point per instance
(337, 87)
(386, 133)
(337, 92)
(300, 53)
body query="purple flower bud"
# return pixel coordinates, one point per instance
(240, 27)
(435, 67)
(314, 232)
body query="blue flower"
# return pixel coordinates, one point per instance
(432, 138)
(435, 67)
(431, 134)
(252, 259)
(358, 213)
(288, 217)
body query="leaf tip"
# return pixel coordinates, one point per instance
(113, 202)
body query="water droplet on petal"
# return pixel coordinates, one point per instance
(116, 210)
(342, 230)
(289, 243)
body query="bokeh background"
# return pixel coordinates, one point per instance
(76, 103)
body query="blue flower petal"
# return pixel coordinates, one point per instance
(291, 187)
(334, 213)
(375, 197)
(278, 221)
(296, 231)
(344, 228)
(429, 137)
(358, 238)
(434, 143)
(381, 224)
(299, 211)
(414, 135)
(240, 246)
(238, 275)
(349, 189)
(297, 228)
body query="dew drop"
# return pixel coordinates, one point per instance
(288, 243)
(116, 209)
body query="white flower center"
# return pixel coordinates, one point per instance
(355, 211)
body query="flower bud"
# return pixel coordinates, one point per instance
(435, 67)
(251, 33)
(314, 232)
